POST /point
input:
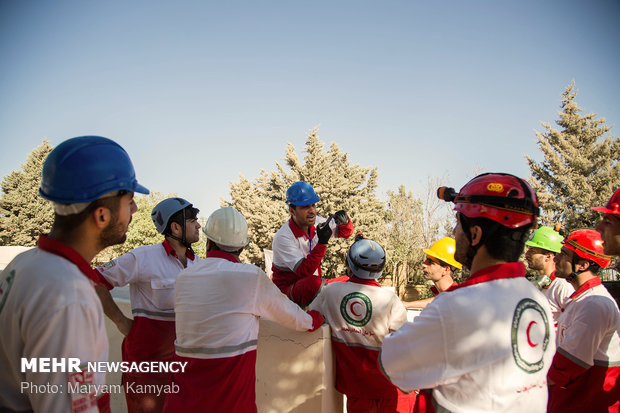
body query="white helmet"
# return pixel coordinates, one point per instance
(366, 258)
(227, 228)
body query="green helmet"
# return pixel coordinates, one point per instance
(546, 238)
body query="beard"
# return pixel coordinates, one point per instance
(460, 253)
(115, 233)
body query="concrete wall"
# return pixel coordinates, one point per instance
(294, 370)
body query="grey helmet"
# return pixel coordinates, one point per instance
(366, 258)
(165, 209)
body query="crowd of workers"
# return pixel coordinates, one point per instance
(496, 342)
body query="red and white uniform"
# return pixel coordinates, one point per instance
(297, 259)
(558, 292)
(49, 308)
(586, 367)
(360, 314)
(151, 272)
(484, 347)
(218, 303)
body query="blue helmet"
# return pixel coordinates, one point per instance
(301, 194)
(83, 169)
(165, 209)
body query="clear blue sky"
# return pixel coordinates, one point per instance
(200, 92)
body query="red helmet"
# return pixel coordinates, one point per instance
(503, 198)
(613, 205)
(587, 244)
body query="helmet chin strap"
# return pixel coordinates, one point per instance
(473, 249)
(573, 275)
(183, 239)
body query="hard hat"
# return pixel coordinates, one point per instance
(227, 228)
(301, 194)
(613, 205)
(587, 244)
(546, 238)
(165, 209)
(500, 197)
(443, 250)
(366, 259)
(82, 169)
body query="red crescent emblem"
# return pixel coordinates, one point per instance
(527, 332)
(352, 310)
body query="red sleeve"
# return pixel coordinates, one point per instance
(312, 261)
(103, 282)
(103, 403)
(564, 370)
(346, 230)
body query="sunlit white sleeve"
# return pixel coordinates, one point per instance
(414, 356)
(271, 304)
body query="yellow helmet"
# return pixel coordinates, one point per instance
(443, 250)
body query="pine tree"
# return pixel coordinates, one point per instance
(24, 214)
(403, 241)
(339, 184)
(580, 167)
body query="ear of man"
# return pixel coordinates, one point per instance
(476, 235)
(102, 216)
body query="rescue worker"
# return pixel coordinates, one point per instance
(151, 271)
(540, 256)
(609, 227)
(298, 246)
(585, 374)
(48, 306)
(360, 314)
(438, 268)
(487, 345)
(218, 303)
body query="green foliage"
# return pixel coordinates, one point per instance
(412, 224)
(402, 236)
(339, 184)
(580, 167)
(24, 214)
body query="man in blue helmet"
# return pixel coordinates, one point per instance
(299, 246)
(48, 307)
(151, 272)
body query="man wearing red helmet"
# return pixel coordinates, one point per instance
(488, 344)
(609, 227)
(585, 372)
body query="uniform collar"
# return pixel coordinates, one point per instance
(436, 291)
(358, 280)
(551, 278)
(588, 285)
(170, 251)
(222, 254)
(298, 232)
(56, 247)
(494, 272)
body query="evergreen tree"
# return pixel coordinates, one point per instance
(412, 224)
(580, 167)
(403, 241)
(24, 214)
(339, 184)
